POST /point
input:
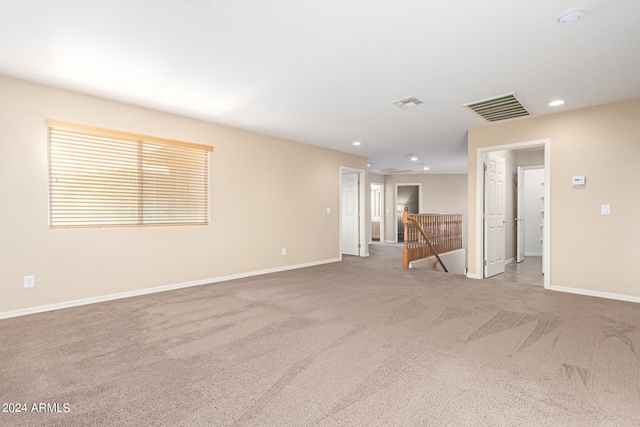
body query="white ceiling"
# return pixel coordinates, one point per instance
(326, 72)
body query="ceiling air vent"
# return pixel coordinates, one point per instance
(198, 3)
(499, 108)
(412, 101)
(391, 171)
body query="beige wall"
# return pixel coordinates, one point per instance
(530, 158)
(589, 252)
(266, 193)
(442, 193)
(376, 178)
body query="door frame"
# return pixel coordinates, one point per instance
(520, 224)
(363, 249)
(395, 203)
(479, 191)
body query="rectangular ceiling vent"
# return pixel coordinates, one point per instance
(389, 171)
(412, 101)
(198, 3)
(499, 108)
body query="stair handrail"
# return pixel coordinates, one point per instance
(405, 219)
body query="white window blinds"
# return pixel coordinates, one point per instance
(101, 178)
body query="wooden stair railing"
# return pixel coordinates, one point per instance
(423, 233)
(417, 224)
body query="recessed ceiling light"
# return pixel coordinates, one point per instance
(556, 103)
(368, 165)
(413, 159)
(571, 16)
(426, 168)
(356, 143)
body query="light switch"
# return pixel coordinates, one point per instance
(29, 281)
(605, 209)
(328, 211)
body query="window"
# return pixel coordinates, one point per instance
(101, 178)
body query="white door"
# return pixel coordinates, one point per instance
(350, 214)
(520, 230)
(494, 232)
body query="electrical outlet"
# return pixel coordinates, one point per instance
(29, 281)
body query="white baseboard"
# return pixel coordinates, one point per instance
(533, 254)
(103, 298)
(510, 260)
(586, 292)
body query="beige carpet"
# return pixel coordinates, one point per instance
(361, 342)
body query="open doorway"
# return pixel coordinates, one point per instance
(529, 265)
(407, 195)
(531, 218)
(377, 212)
(499, 246)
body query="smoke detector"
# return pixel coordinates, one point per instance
(571, 16)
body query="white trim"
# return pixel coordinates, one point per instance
(526, 168)
(510, 260)
(103, 298)
(546, 247)
(364, 230)
(533, 254)
(395, 203)
(577, 291)
(598, 294)
(546, 143)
